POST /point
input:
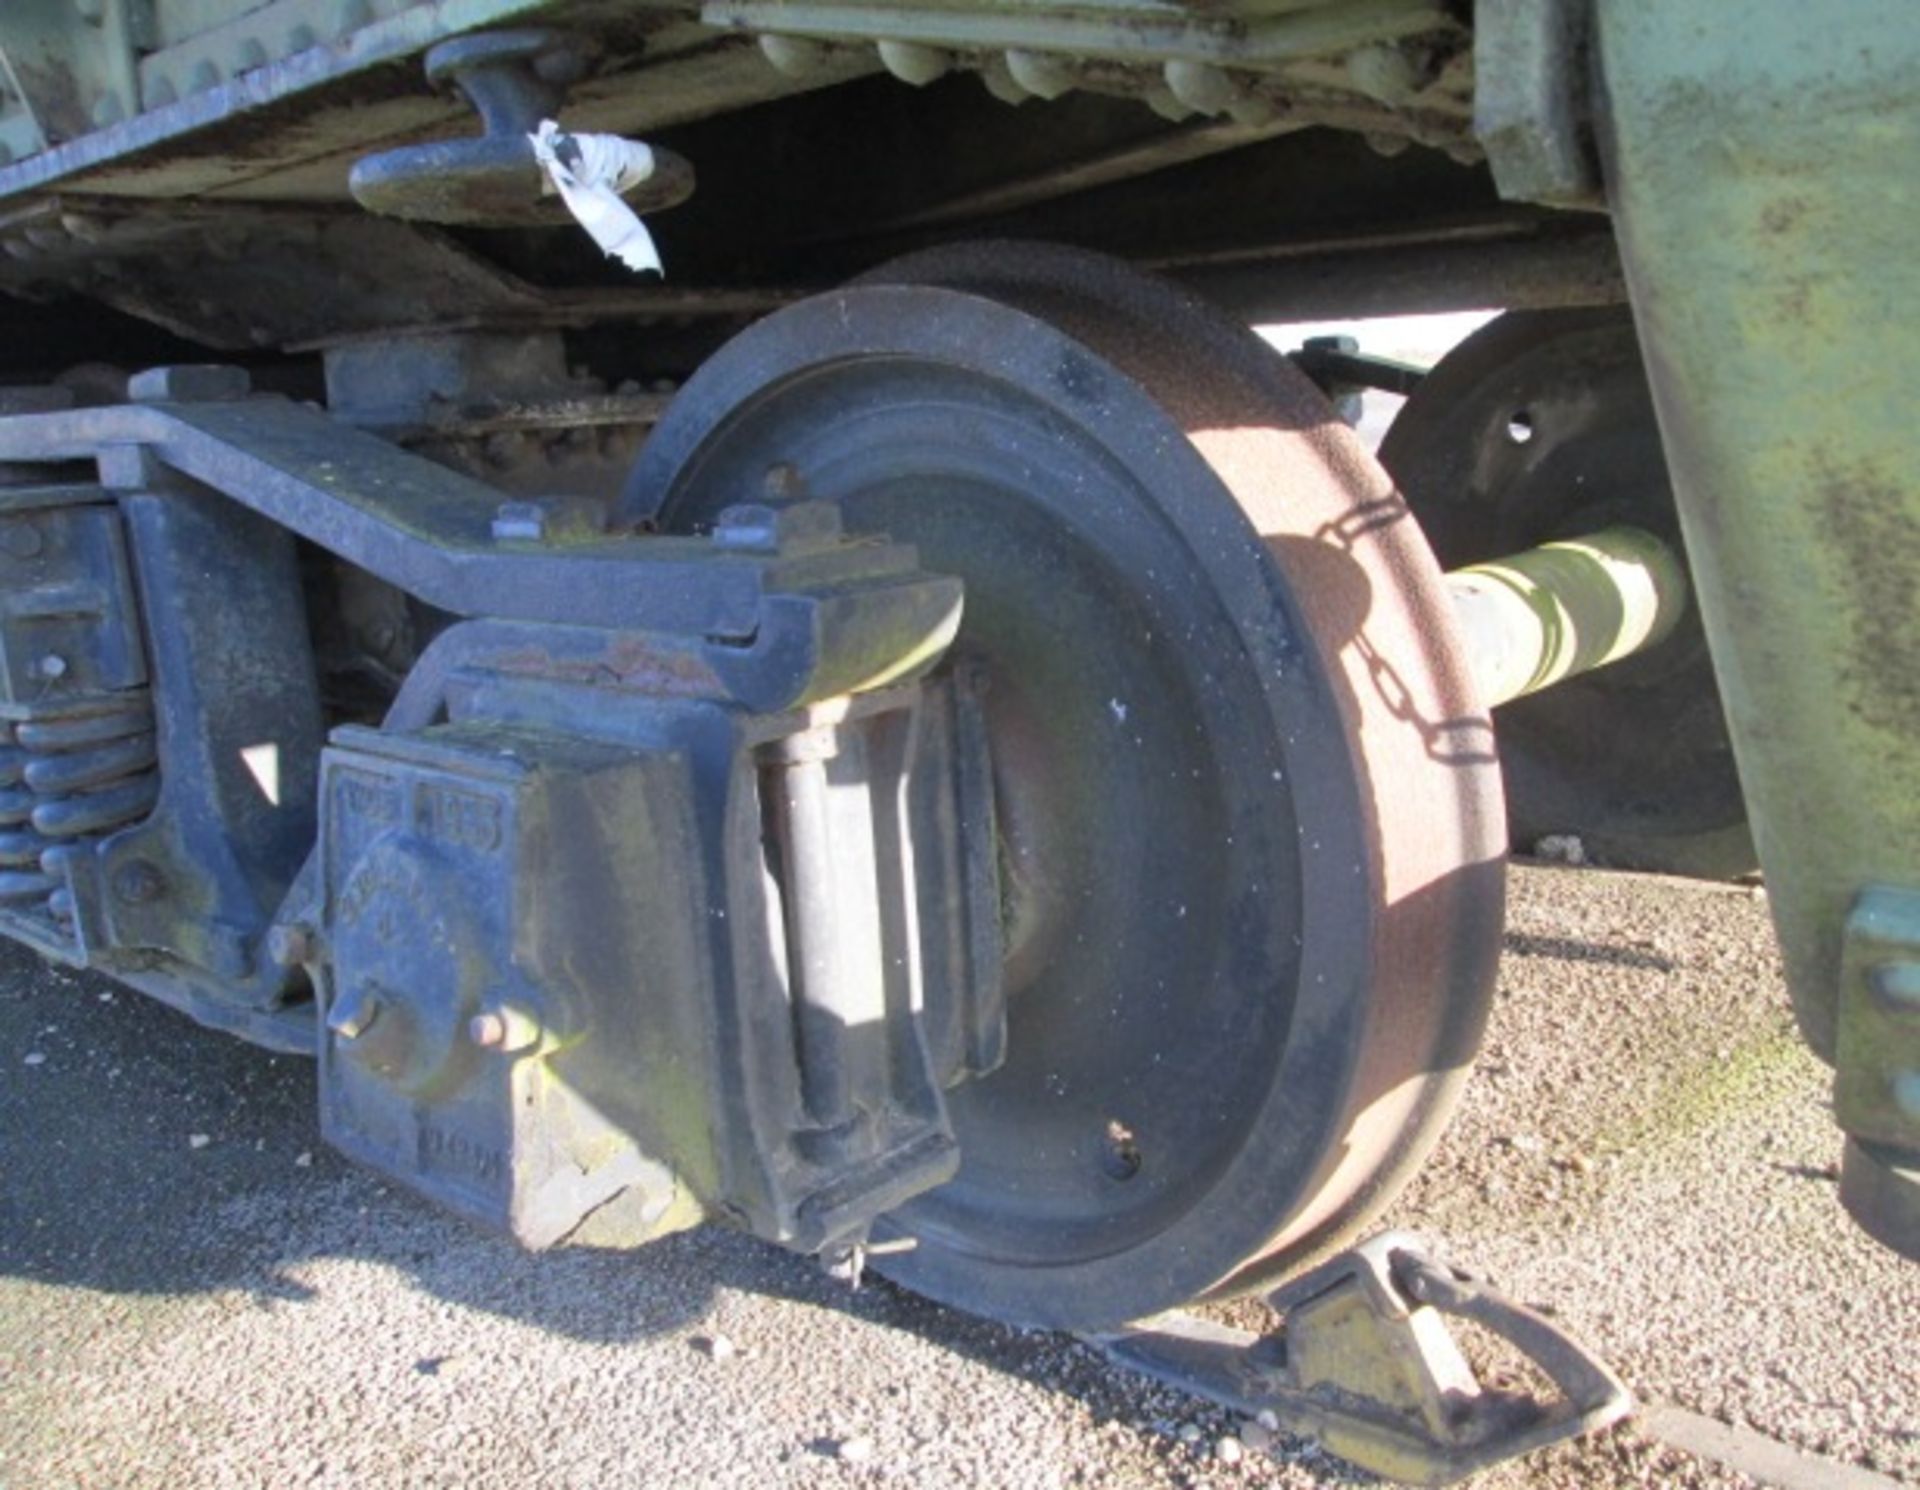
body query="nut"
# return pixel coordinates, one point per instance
(522, 522)
(209, 382)
(290, 943)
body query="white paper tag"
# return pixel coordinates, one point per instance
(590, 172)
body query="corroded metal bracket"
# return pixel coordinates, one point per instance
(1876, 1083)
(784, 608)
(514, 79)
(1531, 105)
(1364, 1363)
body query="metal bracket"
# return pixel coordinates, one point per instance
(1364, 1363)
(1532, 100)
(783, 608)
(513, 79)
(1876, 1087)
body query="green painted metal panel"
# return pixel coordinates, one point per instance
(1761, 163)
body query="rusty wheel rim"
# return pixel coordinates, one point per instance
(1229, 721)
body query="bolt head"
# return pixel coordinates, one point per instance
(353, 1014)
(757, 527)
(290, 943)
(783, 482)
(522, 522)
(488, 1030)
(191, 383)
(137, 882)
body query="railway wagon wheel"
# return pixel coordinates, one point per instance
(1249, 823)
(1540, 426)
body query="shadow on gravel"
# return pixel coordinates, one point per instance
(1519, 944)
(106, 1185)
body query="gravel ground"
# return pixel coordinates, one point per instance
(193, 1291)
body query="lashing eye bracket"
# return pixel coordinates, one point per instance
(1363, 1362)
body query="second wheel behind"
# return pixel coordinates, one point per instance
(1538, 427)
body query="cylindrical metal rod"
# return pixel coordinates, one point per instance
(1536, 618)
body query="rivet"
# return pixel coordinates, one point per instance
(23, 539)
(350, 17)
(1160, 99)
(1200, 85)
(794, 56)
(1039, 74)
(1000, 82)
(915, 63)
(1897, 986)
(1384, 73)
(1906, 1092)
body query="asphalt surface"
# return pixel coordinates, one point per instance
(194, 1291)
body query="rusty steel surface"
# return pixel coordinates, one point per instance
(1192, 593)
(1363, 1362)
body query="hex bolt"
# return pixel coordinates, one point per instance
(209, 382)
(353, 1013)
(520, 522)
(503, 1029)
(755, 527)
(783, 482)
(291, 942)
(137, 882)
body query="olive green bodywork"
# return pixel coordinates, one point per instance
(1766, 204)
(185, 163)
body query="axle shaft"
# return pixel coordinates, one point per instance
(1550, 613)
